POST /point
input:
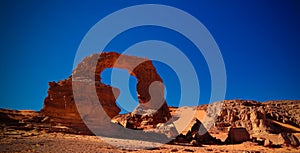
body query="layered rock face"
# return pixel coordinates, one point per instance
(256, 116)
(96, 101)
(284, 111)
(242, 113)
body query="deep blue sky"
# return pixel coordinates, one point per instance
(259, 41)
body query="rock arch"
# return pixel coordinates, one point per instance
(60, 100)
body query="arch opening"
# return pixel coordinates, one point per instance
(126, 83)
(149, 87)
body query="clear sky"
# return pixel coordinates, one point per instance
(259, 41)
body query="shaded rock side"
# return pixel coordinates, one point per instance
(290, 139)
(86, 81)
(194, 137)
(237, 135)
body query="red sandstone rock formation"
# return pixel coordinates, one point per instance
(85, 86)
(193, 136)
(258, 117)
(237, 135)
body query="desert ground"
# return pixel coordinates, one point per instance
(14, 139)
(60, 142)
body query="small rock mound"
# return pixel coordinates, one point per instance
(193, 137)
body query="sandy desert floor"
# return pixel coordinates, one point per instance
(39, 141)
(21, 141)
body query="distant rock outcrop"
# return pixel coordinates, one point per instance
(242, 113)
(258, 117)
(60, 105)
(284, 111)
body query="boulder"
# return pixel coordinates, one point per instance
(237, 135)
(193, 135)
(267, 143)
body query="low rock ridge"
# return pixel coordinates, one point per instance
(258, 116)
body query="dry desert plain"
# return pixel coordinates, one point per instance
(19, 133)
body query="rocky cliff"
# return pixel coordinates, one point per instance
(258, 116)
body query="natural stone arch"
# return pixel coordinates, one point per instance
(60, 100)
(141, 68)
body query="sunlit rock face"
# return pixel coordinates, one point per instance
(97, 101)
(259, 117)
